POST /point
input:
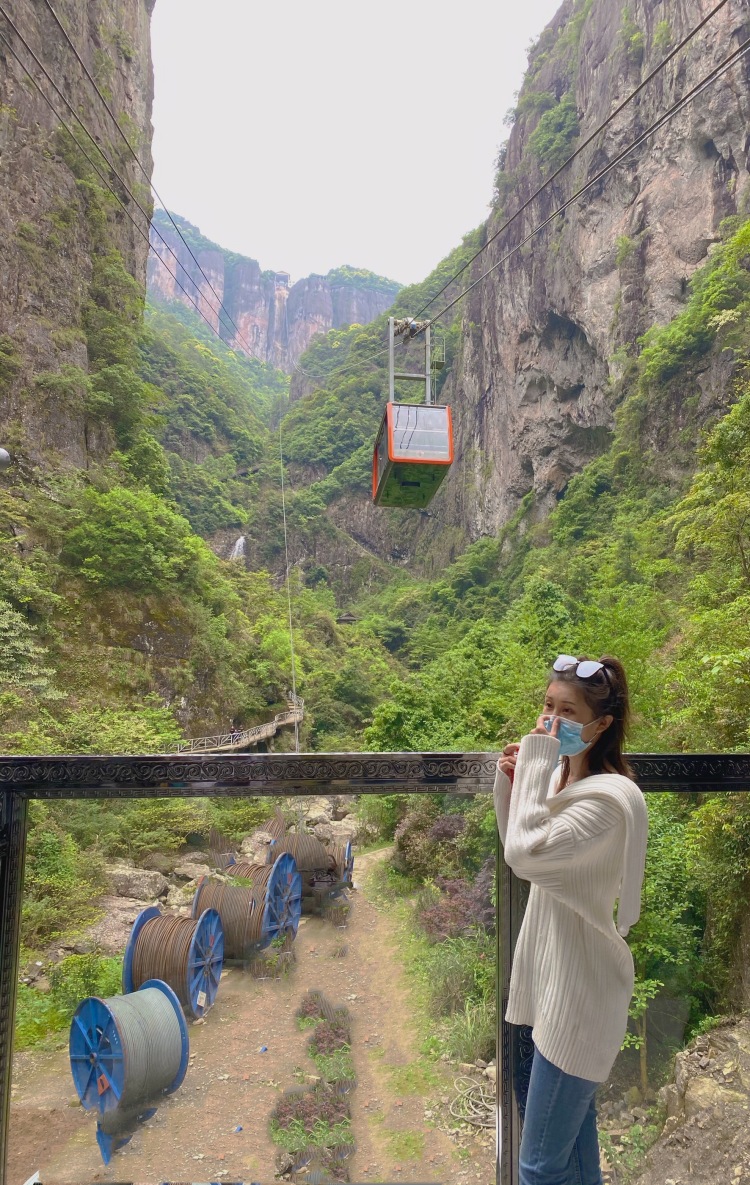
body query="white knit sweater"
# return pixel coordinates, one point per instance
(572, 976)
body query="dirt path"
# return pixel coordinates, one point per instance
(230, 1083)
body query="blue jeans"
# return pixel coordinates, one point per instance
(559, 1144)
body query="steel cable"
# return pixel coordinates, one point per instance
(149, 182)
(151, 1039)
(237, 907)
(699, 87)
(162, 951)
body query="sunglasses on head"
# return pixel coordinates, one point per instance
(584, 670)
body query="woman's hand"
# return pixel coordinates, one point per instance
(507, 763)
(540, 729)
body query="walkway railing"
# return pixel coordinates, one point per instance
(236, 741)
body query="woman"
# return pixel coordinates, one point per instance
(576, 828)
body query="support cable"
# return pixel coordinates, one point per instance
(288, 594)
(581, 147)
(95, 167)
(705, 82)
(146, 174)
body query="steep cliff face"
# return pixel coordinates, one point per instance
(547, 335)
(275, 321)
(50, 233)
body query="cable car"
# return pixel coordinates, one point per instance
(413, 452)
(414, 446)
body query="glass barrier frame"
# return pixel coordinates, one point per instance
(257, 775)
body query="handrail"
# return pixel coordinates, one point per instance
(230, 741)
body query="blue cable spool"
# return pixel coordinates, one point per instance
(277, 888)
(124, 1052)
(187, 954)
(284, 898)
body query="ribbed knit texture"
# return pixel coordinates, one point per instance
(572, 976)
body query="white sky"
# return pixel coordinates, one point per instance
(313, 134)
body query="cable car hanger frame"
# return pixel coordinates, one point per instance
(414, 446)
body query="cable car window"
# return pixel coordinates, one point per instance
(381, 452)
(420, 431)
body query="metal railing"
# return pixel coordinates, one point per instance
(231, 742)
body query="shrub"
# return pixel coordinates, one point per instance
(131, 538)
(552, 137)
(79, 976)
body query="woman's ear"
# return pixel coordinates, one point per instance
(604, 725)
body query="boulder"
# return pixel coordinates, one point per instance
(323, 832)
(181, 896)
(110, 934)
(320, 810)
(139, 884)
(190, 872)
(254, 847)
(157, 862)
(703, 1094)
(344, 829)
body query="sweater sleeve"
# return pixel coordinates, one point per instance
(536, 842)
(501, 793)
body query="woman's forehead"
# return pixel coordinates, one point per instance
(566, 693)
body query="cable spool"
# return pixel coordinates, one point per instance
(186, 954)
(277, 888)
(308, 852)
(344, 861)
(126, 1051)
(235, 905)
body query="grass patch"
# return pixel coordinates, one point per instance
(335, 1067)
(296, 1136)
(416, 1078)
(406, 1145)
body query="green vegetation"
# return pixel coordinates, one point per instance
(551, 140)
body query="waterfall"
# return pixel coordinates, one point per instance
(238, 551)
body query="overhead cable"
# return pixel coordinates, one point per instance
(144, 234)
(705, 82)
(151, 185)
(581, 147)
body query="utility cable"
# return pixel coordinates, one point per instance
(289, 594)
(151, 185)
(705, 82)
(123, 183)
(581, 147)
(97, 170)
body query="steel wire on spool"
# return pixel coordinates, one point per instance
(235, 905)
(126, 1051)
(277, 888)
(308, 852)
(343, 861)
(186, 953)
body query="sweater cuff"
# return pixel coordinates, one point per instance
(538, 746)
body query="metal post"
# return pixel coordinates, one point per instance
(391, 360)
(427, 371)
(13, 809)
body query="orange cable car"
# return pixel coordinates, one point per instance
(414, 446)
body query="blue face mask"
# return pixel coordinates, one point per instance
(569, 736)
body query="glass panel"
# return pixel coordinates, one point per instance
(369, 1031)
(420, 432)
(382, 452)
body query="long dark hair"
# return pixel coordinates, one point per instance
(606, 693)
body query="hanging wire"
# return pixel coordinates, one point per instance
(289, 595)
(581, 147)
(704, 83)
(136, 158)
(91, 161)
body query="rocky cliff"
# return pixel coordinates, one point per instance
(268, 317)
(547, 336)
(53, 228)
(545, 341)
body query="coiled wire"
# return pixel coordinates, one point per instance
(308, 852)
(237, 907)
(161, 952)
(151, 1039)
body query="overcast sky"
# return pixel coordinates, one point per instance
(312, 134)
